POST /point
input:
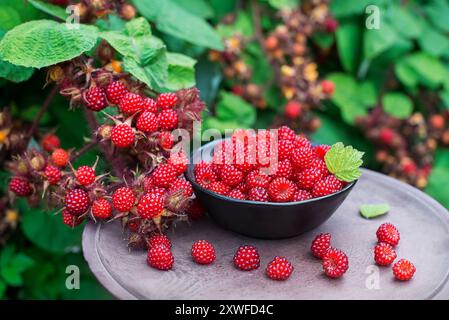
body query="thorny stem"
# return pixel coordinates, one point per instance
(42, 111)
(83, 150)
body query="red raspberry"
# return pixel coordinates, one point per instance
(302, 195)
(60, 157)
(158, 191)
(236, 194)
(293, 110)
(164, 175)
(102, 209)
(168, 119)
(149, 105)
(284, 169)
(330, 24)
(50, 142)
(321, 150)
(279, 269)
(85, 175)
(115, 92)
(53, 174)
(307, 178)
(258, 194)
(167, 100)
(95, 99)
(247, 258)
(181, 184)
(325, 186)
(179, 161)
(321, 244)
(242, 187)
(335, 263)
(243, 163)
(20, 186)
(122, 136)
(286, 133)
(160, 257)
(204, 176)
(403, 270)
(281, 190)
(77, 202)
(131, 103)
(158, 239)
(203, 252)
(166, 140)
(230, 175)
(257, 178)
(147, 122)
(301, 142)
(328, 87)
(150, 206)
(71, 220)
(320, 165)
(285, 149)
(195, 210)
(302, 157)
(123, 199)
(384, 254)
(388, 233)
(219, 187)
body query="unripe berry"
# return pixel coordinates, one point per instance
(60, 157)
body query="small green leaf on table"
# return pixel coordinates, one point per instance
(370, 211)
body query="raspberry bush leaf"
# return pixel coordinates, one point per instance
(181, 72)
(344, 162)
(14, 73)
(370, 211)
(43, 43)
(49, 8)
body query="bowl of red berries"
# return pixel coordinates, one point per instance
(272, 184)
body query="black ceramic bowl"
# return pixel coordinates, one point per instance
(267, 220)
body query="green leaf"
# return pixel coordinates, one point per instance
(220, 125)
(9, 18)
(444, 95)
(200, 8)
(284, 4)
(43, 43)
(14, 73)
(242, 25)
(379, 40)
(370, 211)
(3, 288)
(437, 186)
(397, 104)
(433, 42)
(235, 109)
(51, 9)
(344, 162)
(438, 11)
(171, 18)
(429, 70)
(348, 37)
(404, 21)
(406, 74)
(323, 39)
(181, 72)
(12, 270)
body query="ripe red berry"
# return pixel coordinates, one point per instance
(168, 119)
(123, 199)
(319, 164)
(147, 122)
(321, 150)
(53, 174)
(122, 136)
(167, 100)
(279, 269)
(302, 195)
(302, 157)
(164, 175)
(285, 149)
(60, 157)
(230, 175)
(205, 176)
(236, 194)
(77, 201)
(179, 161)
(149, 105)
(403, 270)
(328, 87)
(307, 178)
(325, 186)
(20, 186)
(166, 140)
(219, 187)
(321, 244)
(71, 220)
(258, 194)
(115, 92)
(158, 239)
(384, 254)
(293, 110)
(102, 209)
(50, 142)
(330, 24)
(160, 257)
(247, 258)
(203, 252)
(301, 142)
(181, 184)
(286, 133)
(335, 263)
(388, 233)
(131, 103)
(95, 99)
(257, 178)
(281, 190)
(387, 136)
(85, 175)
(150, 206)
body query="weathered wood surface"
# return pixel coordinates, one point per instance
(423, 223)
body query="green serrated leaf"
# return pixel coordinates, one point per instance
(49, 8)
(14, 73)
(42, 43)
(181, 72)
(232, 108)
(397, 104)
(344, 162)
(370, 211)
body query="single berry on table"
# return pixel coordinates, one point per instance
(203, 252)
(320, 245)
(158, 239)
(160, 257)
(279, 269)
(388, 233)
(404, 270)
(384, 254)
(247, 258)
(335, 263)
